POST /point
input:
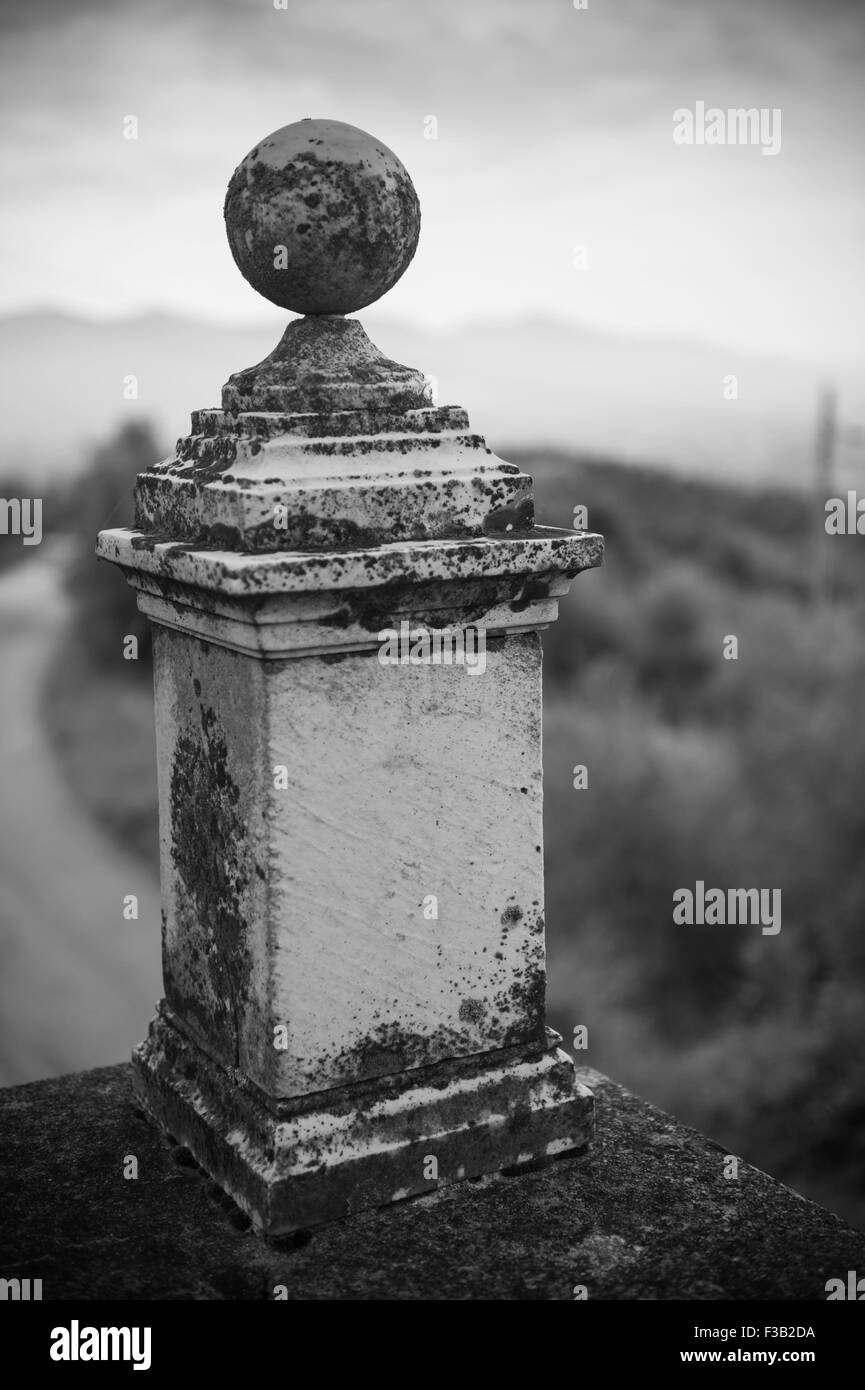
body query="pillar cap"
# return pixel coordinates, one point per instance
(327, 444)
(323, 219)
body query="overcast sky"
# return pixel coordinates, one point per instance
(554, 130)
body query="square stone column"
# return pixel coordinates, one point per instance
(351, 851)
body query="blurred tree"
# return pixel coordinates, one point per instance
(672, 651)
(105, 611)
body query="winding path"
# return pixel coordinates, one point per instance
(77, 982)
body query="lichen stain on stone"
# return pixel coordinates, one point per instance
(364, 223)
(511, 916)
(527, 999)
(422, 605)
(472, 1011)
(392, 1049)
(389, 1049)
(532, 590)
(518, 516)
(207, 838)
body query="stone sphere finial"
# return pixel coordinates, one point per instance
(321, 217)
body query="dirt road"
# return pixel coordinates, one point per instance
(77, 982)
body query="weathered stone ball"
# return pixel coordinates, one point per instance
(321, 217)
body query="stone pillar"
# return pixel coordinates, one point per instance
(351, 851)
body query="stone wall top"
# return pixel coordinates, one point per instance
(645, 1214)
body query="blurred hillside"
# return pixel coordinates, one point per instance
(633, 399)
(742, 773)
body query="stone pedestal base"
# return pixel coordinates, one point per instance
(294, 1163)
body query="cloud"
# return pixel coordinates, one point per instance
(554, 129)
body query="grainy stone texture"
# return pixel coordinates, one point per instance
(324, 373)
(645, 1214)
(301, 904)
(291, 491)
(370, 983)
(340, 203)
(530, 562)
(293, 1163)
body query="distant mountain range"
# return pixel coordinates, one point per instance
(531, 383)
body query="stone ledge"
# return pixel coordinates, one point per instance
(544, 550)
(647, 1215)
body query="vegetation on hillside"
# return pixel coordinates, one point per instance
(740, 773)
(98, 705)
